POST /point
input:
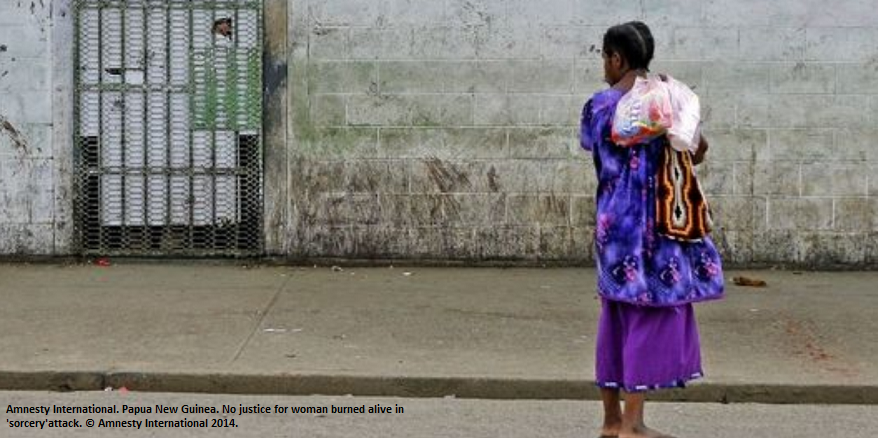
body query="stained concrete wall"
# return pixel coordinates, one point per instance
(27, 193)
(447, 129)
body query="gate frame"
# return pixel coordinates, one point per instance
(274, 126)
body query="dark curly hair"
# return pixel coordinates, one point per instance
(633, 42)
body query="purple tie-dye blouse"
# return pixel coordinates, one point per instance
(635, 264)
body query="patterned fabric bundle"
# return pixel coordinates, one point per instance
(682, 211)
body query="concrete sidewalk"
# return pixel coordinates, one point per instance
(487, 333)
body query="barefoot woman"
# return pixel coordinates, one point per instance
(647, 334)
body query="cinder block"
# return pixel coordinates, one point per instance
(800, 214)
(26, 239)
(443, 76)
(734, 246)
(20, 13)
(776, 246)
(776, 178)
(432, 175)
(743, 78)
(743, 178)
(376, 176)
(444, 143)
(380, 241)
(737, 13)
(542, 209)
(312, 176)
(690, 73)
(854, 78)
(705, 43)
(27, 106)
(582, 250)
(851, 44)
(329, 43)
(477, 143)
(475, 77)
(386, 110)
(736, 144)
(507, 110)
(509, 242)
(589, 77)
(822, 179)
(442, 110)
(476, 12)
(443, 43)
(855, 145)
(26, 140)
(396, 210)
(831, 249)
(342, 77)
(811, 111)
(803, 78)
(604, 13)
(414, 12)
(854, 13)
(381, 43)
(572, 176)
(717, 178)
(856, 215)
(340, 144)
(328, 110)
(522, 176)
(802, 145)
(26, 190)
(583, 211)
(718, 113)
(561, 110)
(349, 13)
(732, 213)
(29, 40)
(760, 213)
(27, 74)
(546, 76)
(772, 43)
(565, 42)
(556, 243)
(540, 142)
(508, 42)
(672, 12)
(526, 12)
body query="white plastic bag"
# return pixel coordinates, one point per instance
(644, 113)
(685, 130)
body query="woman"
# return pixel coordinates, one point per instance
(647, 334)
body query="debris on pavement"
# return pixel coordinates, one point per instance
(275, 330)
(337, 269)
(749, 282)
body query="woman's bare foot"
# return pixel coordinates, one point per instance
(611, 430)
(641, 432)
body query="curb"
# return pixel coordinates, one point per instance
(421, 387)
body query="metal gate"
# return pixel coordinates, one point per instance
(168, 123)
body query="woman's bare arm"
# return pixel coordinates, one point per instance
(698, 156)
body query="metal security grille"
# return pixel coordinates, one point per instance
(168, 127)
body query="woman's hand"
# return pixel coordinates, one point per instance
(698, 156)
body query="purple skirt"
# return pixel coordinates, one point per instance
(643, 348)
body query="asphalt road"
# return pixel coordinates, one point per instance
(447, 417)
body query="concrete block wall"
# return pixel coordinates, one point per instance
(447, 129)
(27, 204)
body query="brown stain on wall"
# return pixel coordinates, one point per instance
(18, 139)
(446, 177)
